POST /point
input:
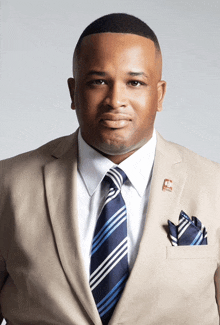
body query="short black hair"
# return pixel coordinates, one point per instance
(119, 23)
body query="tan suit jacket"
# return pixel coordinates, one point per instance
(42, 274)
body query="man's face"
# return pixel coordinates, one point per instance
(117, 92)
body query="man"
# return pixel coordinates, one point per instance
(54, 200)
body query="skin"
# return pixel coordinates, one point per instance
(116, 92)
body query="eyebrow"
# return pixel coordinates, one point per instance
(98, 73)
(135, 74)
(103, 74)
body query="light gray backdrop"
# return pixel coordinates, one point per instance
(37, 41)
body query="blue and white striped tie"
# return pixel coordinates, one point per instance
(109, 256)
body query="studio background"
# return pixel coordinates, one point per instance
(37, 41)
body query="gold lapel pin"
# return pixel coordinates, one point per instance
(167, 185)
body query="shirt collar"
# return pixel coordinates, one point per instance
(93, 166)
(139, 165)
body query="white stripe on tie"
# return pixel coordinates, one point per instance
(107, 223)
(108, 234)
(104, 275)
(107, 265)
(107, 227)
(107, 258)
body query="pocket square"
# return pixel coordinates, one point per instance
(188, 232)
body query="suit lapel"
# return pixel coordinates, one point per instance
(163, 205)
(61, 193)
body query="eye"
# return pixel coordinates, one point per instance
(97, 82)
(136, 83)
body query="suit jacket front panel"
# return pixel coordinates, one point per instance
(41, 288)
(175, 285)
(47, 282)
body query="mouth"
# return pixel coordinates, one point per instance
(115, 120)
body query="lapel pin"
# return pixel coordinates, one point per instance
(167, 185)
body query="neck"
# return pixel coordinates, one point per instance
(119, 158)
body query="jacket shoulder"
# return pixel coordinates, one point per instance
(195, 163)
(33, 161)
(192, 157)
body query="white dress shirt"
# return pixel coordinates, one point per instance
(92, 167)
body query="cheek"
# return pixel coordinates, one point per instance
(146, 98)
(86, 113)
(90, 100)
(145, 111)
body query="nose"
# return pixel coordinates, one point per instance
(116, 96)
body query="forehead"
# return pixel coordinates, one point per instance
(116, 48)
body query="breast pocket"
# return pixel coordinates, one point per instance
(192, 269)
(189, 273)
(192, 252)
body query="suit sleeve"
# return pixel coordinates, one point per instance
(3, 277)
(217, 287)
(3, 270)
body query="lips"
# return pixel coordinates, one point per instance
(115, 120)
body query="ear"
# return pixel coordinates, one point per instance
(161, 91)
(71, 85)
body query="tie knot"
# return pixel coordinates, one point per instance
(116, 177)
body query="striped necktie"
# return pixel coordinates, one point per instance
(109, 255)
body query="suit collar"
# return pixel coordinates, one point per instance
(168, 150)
(66, 146)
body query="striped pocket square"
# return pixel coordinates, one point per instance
(188, 232)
